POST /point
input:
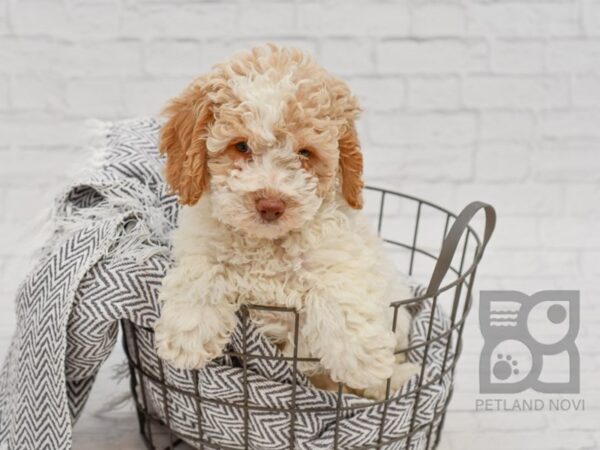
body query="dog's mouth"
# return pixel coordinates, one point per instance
(276, 215)
(271, 216)
(266, 211)
(272, 209)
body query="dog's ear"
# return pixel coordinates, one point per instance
(183, 140)
(351, 160)
(351, 166)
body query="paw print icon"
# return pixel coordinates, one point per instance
(529, 342)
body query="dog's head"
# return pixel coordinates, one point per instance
(268, 135)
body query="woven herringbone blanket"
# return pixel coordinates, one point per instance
(105, 262)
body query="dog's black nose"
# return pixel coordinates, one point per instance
(270, 209)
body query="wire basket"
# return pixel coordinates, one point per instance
(430, 243)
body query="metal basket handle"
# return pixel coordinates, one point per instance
(453, 238)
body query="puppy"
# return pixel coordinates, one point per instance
(264, 155)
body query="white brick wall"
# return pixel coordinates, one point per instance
(463, 99)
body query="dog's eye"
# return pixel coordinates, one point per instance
(242, 147)
(304, 153)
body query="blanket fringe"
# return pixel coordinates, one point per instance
(98, 136)
(145, 231)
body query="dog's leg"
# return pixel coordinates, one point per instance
(197, 316)
(403, 370)
(349, 336)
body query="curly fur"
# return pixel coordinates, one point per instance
(319, 257)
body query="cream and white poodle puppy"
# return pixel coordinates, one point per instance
(264, 156)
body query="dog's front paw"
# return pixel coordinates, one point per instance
(402, 373)
(189, 349)
(189, 334)
(363, 365)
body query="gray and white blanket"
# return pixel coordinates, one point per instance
(104, 262)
